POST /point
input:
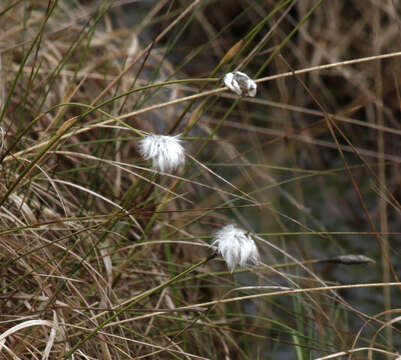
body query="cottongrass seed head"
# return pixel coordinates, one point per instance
(240, 83)
(166, 152)
(236, 246)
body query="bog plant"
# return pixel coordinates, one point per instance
(166, 152)
(236, 246)
(247, 235)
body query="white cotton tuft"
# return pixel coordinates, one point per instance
(236, 246)
(240, 83)
(166, 152)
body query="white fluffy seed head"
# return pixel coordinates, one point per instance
(236, 246)
(240, 83)
(166, 152)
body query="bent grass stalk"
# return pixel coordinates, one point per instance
(200, 95)
(90, 111)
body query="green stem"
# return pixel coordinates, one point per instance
(288, 38)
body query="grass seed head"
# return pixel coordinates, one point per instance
(236, 246)
(166, 152)
(240, 83)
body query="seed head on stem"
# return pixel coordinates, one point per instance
(236, 246)
(166, 152)
(240, 83)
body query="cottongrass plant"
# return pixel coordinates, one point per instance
(119, 259)
(236, 246)
(240, 83)
(166, 152)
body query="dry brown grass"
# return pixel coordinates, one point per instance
(310, 166)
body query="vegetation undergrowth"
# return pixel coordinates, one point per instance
(154, 204)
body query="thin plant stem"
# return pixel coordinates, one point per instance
(136, 299)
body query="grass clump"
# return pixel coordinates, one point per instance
(124, 157)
